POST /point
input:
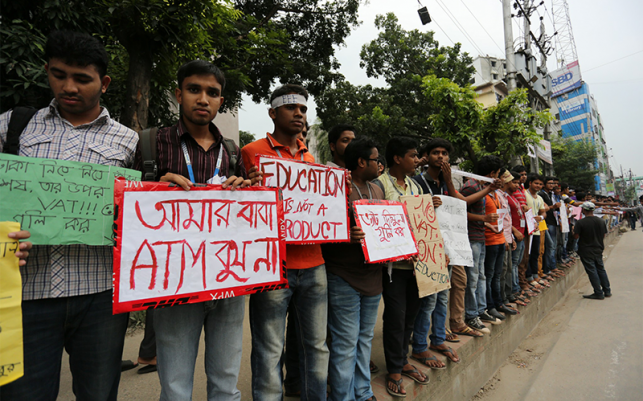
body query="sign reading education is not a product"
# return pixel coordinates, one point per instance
(175, 246)
(315, 201)
(60, 202)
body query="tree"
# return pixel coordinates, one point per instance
(245, 138)
(574, 162)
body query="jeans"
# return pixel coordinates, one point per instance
(493, 270)
(516, 257)
(506, 276)
(423, 323)
(532, 270)
(549, 263)
(308, 293)
(178, 331)
(290, 358)
(474, 298)
(351, 320)
(595, 270)
(85, 327)
(147, 350)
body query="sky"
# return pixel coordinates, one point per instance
(609, 43)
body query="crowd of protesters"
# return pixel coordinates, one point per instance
(331, 304)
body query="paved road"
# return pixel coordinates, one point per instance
(600, 354)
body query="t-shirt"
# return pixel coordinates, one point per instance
(517, 215)
(475, 228)
(535, 205)
(591, 231)
(491, 206)
(507, 218)
(519, 194)
(297, 256)
(429, 186)
(347, 260)
(550, 219)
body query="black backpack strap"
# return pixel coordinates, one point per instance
(20, 117)
(233, 153)
(147, 140)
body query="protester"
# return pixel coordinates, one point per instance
(191, 152)
(475, 296)
(67, 289)
(519, 231)
(338, 138)
(381, 164)
(547, 194)
(535, 202)
(354, 288)
(504, 287)
(307, 281)
(590, 232)
(147, 349)
(400, 291)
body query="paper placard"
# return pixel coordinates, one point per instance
(315, 201)
(452, 217)
(11, 349)
(388, 236)
(471, 175)
(175, 246)
(501, 218)
(431, 270)
(564, 221)
(60, 202)
(531, 221)
(577, 212)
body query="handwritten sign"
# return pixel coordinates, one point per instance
(388, 237)
(502, 213)
(577, 212)
(564, 221)
(531, 221)
(11, 350)
(175, 246)
(315, 202)
(452, 217)
(60, 202)
(431, 269)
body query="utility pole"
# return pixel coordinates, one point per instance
(509, 45)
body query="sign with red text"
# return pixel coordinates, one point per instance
(431, 270)
(388, 237)
(315, 201)
(175, 247)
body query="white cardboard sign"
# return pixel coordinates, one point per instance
(452, 217)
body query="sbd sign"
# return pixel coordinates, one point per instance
(562, 79)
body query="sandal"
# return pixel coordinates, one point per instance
(397, 383)
(431, 359)
(409, 373)
(452, 338)
(468, 331)
(520, 302)
(448, 352)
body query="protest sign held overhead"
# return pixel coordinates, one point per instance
(452, 217)
(175, 246)
(431, 270)
(388, 236)
(60, 202)
(315, 201)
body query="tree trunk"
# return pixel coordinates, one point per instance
(137, 95)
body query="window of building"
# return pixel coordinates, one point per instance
(495, 76)
(493, 63)
(504, 66)
(472, 81)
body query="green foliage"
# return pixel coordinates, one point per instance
(322, 147)
(574, 162)
(245, 138)
(630, 193)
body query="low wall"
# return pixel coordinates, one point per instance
(480, 358)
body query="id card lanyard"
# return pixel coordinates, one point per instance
(395, 187)
(189, 163)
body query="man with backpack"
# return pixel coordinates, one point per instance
(67, 289)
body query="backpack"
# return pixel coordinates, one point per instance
(20, 118)
(147, 140)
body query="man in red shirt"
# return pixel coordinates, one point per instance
(307, 282)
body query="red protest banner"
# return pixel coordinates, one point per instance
(388, 237)
(315, 201)
(175, 246)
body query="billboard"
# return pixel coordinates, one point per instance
(565, 79)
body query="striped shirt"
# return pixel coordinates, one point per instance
(55, 271)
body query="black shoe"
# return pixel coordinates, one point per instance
(594, 296)
(608, 294)
(493, 312)
(506, 310)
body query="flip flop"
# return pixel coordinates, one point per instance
(468, 331)
(445, 352)
(127, 365)
(146, 369)
(398, 383)
(409, 374)
(424, 362)
(451, 337)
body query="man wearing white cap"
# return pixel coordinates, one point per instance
(590, 232)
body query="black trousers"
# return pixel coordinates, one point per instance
(401, 305)
(148, 345)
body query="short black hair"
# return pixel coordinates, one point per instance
(358, 148)
(77, 48)
(533, 177)
(398, 146)
(336, 132)
(563, 185)
(488, 164)
(382, 160)
(436, 143)
(288, 89)
(200, 67)
(518, 169)
(550, 178)
(580, 195)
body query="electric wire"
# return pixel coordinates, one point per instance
(479, 23)
(613, 61)
(475, 45)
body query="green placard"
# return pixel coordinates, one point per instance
(60, 202)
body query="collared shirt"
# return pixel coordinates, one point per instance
(55, 271)
(298, 256)
(476, 228)
(170, 157)
(430, 186)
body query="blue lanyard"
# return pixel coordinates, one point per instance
(189, 163)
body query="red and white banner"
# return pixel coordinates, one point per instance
(315, 201)
(388, 236)
(175, 246)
